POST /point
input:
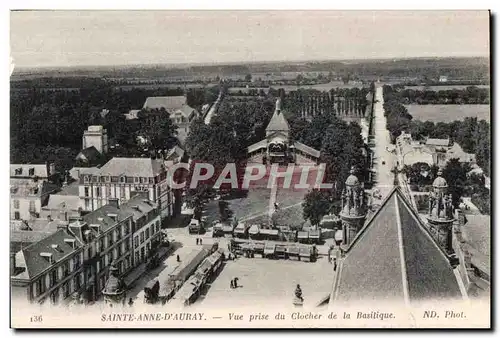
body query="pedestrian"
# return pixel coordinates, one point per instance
(232, 283)
(235, 282)
(178, 258)
(335, 264)
(201, 242)
(197, 240)
(130, 302)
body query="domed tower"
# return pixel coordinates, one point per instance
(353, 213)
(115, 289)
(440, 215)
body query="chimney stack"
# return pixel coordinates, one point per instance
(113, 202)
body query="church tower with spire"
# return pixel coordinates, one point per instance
(354, 210)
(440, 213)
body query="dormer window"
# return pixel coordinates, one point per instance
(85, 178)
(31, 172)
(108, 178)
(122, 179)
(19, 171)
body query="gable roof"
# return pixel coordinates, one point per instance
(278, 122)
(166, 102)
(128, 166)
(185, 110)
(395, 258)
(90, 154)
(34, 264)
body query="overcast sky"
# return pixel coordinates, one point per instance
(72, 38)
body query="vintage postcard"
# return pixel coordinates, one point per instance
(250, 169)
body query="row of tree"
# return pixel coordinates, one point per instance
(469, 95)
(339, 101)
(398, 118)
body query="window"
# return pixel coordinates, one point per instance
(16, 204)
(66, 289)
(157, 226)
(76, 262)
(136, 257)
(86, 191)
(101, 244)
(147, 233)
(142, 237)
(119, 250)
(17, 215)
(66, 269)
(108, 191)
(102, 262)
(19, 171)
(78, 281)
(54, 296)
(31, 172)
(90, 252)
(152, 229)
(136, 242)
(136, 179)
(110, 240)
(122, 179)
(122, 192)
(98, 191)
(117, 235)
(85, 178)
(32, 207)
(126, 229)
(53, 277)
(40, 286)
(127, 246)
(108, 178)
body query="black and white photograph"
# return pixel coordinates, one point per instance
(250, 169)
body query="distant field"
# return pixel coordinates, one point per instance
(448, 87)
(448, 112)
(322, 86)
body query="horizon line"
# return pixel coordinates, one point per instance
(243, 62)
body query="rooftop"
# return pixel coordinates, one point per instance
(166, 102)
(278, 122)
(138, 206)
(134, 167)
(386, 260)
(29, 170)
(68, 202)
(441, 142)
(41, 255)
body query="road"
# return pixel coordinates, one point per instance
(383, 177)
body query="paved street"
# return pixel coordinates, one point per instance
(269, 282)
(384, 179)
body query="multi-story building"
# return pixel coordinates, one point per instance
(146, 227)
(73, 262)
(27, 197)
(122, 178)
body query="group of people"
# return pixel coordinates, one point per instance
(199, 241)
(234, 283)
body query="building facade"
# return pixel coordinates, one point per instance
(146, 228)
(123, 178)
(95, 136)
(73, 263)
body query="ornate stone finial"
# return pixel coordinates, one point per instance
(278, 104)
